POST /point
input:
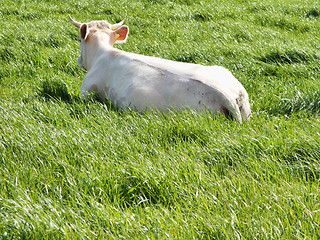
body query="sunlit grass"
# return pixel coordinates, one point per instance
(82, 169)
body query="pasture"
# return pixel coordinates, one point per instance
(80, 169)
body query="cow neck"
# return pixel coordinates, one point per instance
(97, 46)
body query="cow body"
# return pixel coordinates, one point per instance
(139, 82)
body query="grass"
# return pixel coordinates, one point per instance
(80, 169)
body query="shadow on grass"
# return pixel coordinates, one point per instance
(55, 90)
(137, 189)
(308, 103)
(313, 13)
(288, 57)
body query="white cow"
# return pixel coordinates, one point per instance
(135, 81)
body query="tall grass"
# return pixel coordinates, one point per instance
(82, 169)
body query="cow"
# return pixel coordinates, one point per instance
(141, 82)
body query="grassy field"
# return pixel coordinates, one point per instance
(79, 169)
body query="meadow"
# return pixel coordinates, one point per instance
(81, 169)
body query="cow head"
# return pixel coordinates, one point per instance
(98, 32)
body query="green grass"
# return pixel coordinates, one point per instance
(80, 169)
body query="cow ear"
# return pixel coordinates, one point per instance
(84, 31)
(121, 34)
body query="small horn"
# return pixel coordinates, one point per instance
(77, 24)
(117, 25)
